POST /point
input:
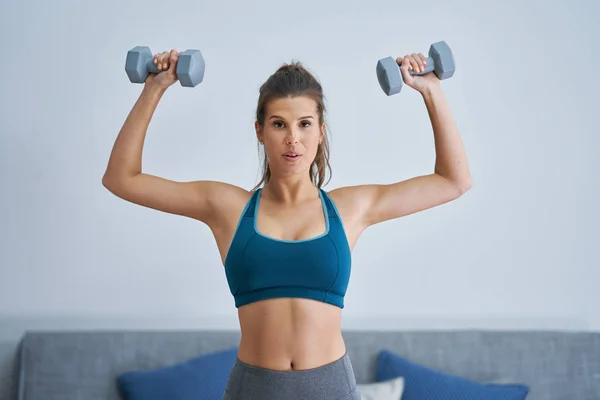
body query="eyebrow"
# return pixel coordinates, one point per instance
(277, 116)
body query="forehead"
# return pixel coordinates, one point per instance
(292, 107)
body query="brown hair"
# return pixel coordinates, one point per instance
(294, 80)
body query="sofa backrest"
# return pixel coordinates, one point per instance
(84, 364)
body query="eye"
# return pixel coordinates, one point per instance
(279, 124)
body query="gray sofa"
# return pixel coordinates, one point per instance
(83, 364)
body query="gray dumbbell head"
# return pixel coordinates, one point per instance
(389, 76)
(443, 60)
(136, 64)
(190, 66)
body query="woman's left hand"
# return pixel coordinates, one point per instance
(416, 63)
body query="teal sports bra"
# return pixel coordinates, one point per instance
(259, 267)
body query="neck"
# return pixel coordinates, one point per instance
(289, 190)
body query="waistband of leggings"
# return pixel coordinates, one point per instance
(341, 363)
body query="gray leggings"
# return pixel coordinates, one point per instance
(334, 381)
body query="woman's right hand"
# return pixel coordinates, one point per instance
(166, 62)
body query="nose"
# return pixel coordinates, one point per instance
(292, 137)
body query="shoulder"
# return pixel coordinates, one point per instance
(226, 202)
(223, 194)
(231, 197)
(351, 198)
(350, 203)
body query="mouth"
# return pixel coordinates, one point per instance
(292, 156)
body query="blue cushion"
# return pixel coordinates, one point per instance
(424, 383)
(201, 378)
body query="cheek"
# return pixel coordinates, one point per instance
(310, 139)
(312, 144)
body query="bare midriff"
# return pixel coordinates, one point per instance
(287, 334)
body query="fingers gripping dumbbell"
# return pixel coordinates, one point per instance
(440, 61)
(139, 64)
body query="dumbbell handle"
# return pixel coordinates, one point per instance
(430, 66)
(153, 68)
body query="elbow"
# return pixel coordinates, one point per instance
(110, 183)
(107, 183)
(459, 186)
(119, 185)
(464, 185)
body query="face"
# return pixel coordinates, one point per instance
(291, 135)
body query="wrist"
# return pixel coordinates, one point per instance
(153, 90)
(431, 90)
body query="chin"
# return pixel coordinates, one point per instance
(288, 170)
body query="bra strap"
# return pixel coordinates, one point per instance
(251, 208)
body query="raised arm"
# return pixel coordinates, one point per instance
(124, 177)
(449, 180)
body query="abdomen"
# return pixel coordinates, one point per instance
(290, 334)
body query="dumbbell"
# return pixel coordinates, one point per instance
(140, 63)
(440, 61)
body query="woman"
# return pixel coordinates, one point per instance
(286, 247)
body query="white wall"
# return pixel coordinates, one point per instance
(518, 251)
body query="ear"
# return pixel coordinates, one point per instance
(258, 130)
